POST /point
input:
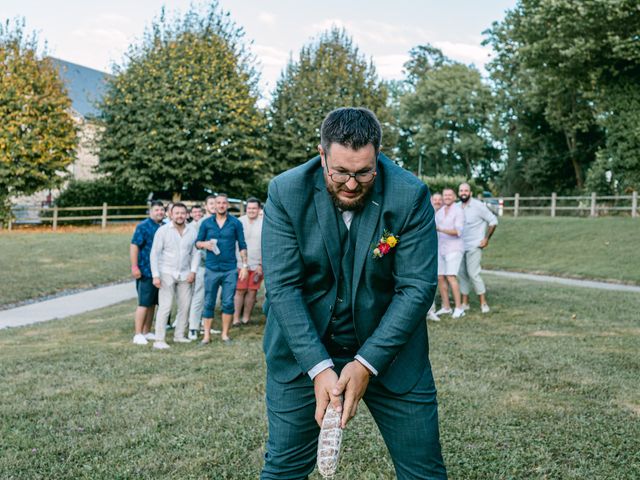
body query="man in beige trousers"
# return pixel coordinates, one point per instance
(174, 263)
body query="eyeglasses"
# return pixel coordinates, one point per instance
(344, 177)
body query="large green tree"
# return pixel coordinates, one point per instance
(180, 115)
(445, 117)
(37, 134)
(330, 72)
(567, 62)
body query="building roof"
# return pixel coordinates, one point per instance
(85, 86)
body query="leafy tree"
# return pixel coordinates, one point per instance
(329, 73)
(181, 115)
(563, 61)
(445, 117)
(37, 134)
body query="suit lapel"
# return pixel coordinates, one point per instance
(368, 222)
(325, 211)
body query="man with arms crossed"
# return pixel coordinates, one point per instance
(341, 319)
(139, 252)
(174, 263)
(247, 290)
(219, 235)
(479, 225)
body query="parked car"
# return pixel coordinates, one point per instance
(490, 201)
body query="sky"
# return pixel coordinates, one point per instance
(96, 33)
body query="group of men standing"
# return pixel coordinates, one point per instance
(189, 263)
(464, 229)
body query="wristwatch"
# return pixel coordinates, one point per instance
(245, 265)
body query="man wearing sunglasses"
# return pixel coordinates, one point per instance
(350, 264)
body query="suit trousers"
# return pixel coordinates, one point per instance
(197, 301)
(171, 288)
(408, 424)
(469, 273)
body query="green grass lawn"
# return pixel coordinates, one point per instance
(38, 264)
(545, 387)
(605, 248)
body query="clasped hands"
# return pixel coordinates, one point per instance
(351, 385)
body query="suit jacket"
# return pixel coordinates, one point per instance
(391, 295)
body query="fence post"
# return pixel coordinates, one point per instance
(516, 205)
(55, 218)
(501, 207)
(241, 208)
(634, 204)
(554, 199)
(593, 204)
(104, 215)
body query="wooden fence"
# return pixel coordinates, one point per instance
(588, 206)
(35, 215)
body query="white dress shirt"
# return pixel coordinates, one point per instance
(347, 217)
(174, 254)
(476, 218)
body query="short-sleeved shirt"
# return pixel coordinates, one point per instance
(476, 218)
(450, 218)
(227, 236)
(143, 238)
(253, 237)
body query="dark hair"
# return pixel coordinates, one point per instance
(209, 197)
(254, 200)
(351, 127)
(179, 205)
(197, 205)
(156, 203)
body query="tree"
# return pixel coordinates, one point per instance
(445, 117)
(37, 134)
(565, 61)
(181, 115)
(329, 73)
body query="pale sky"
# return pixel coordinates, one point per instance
(97, 33)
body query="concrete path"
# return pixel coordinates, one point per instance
(82, 302)
(67, 305)
(565, 281)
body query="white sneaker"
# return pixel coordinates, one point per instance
(181, 340)
(215, 332)
(444, 311)
(193, 335)
(464, 306)
(150, 336)
(139, 339)
(161, 345)
(433, 317)
(457, 313)
(484, 308)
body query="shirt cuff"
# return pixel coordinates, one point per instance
(366, 364)
(320, 367)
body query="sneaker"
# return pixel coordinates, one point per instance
(433, 317)
(193, 335)
(161, 345)
(464, 306)
(227, 341)
(484, 308)
(457, 313)
(444, 311)
(181, 340)
(139, 339)
(215, 332)
(150, 336)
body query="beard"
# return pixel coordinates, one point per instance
(464, 198)
(355, 204)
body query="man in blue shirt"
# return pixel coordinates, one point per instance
(218, 234)
(139, 252)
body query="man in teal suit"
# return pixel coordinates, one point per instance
(350, 264)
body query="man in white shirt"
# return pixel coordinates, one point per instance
(450, 228)
(174, 263)
(479, 225)
(247, 289)
(197, 299)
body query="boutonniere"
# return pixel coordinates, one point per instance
(386, 243)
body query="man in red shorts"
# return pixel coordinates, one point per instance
(247, 289)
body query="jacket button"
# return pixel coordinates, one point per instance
(331, 308)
